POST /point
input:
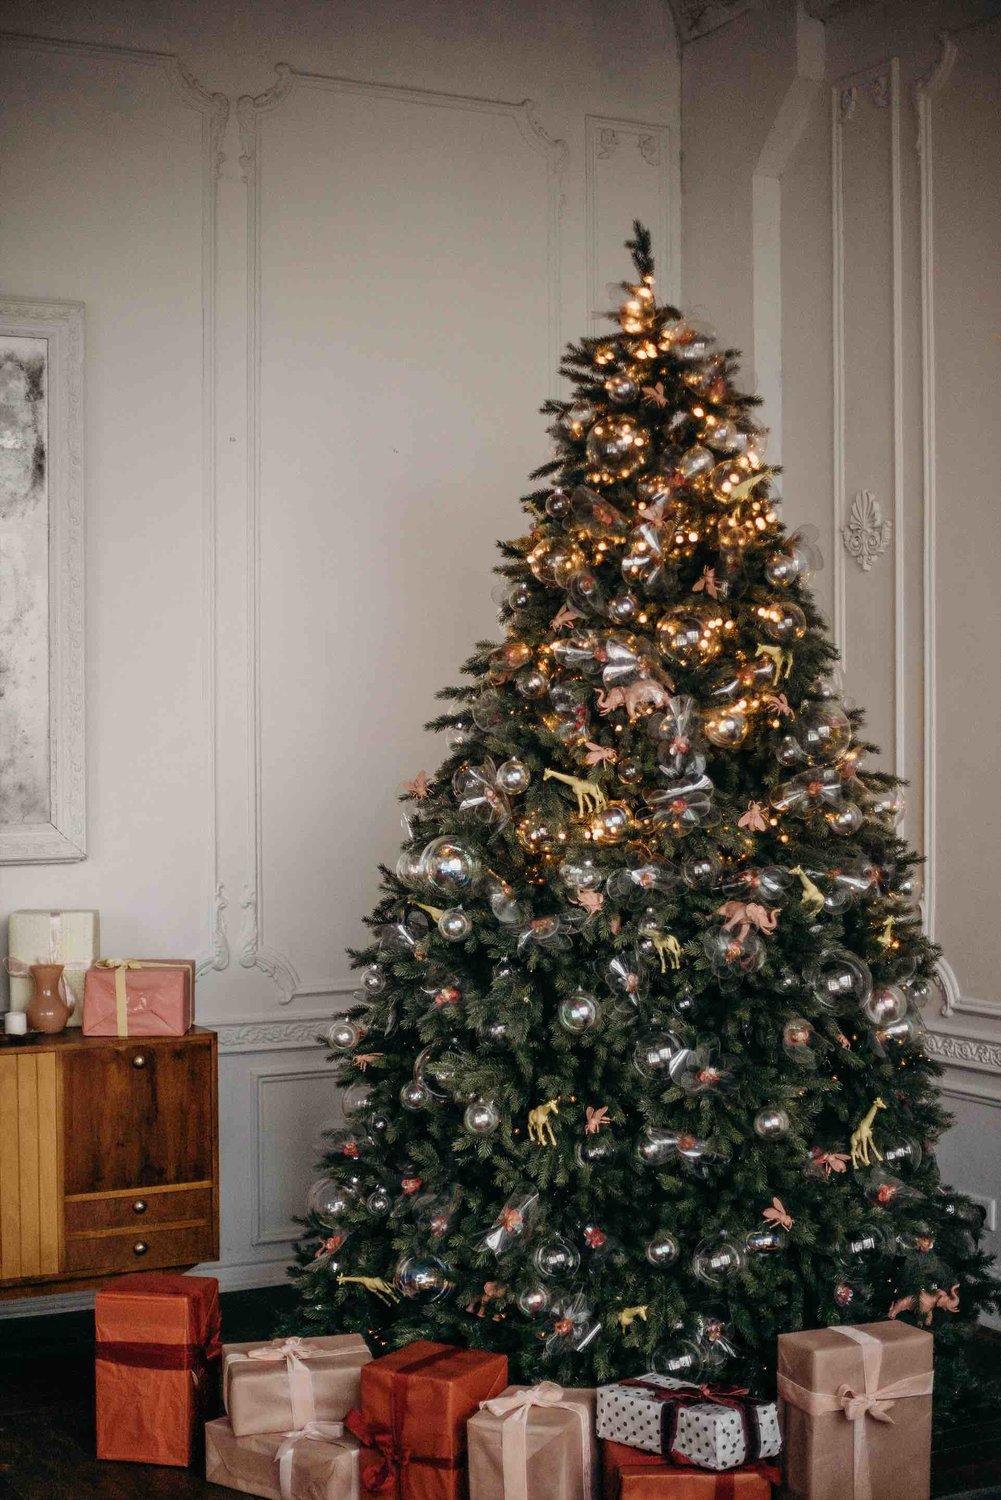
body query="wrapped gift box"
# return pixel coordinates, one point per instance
(534, 1443)
(415, 1406)
(70, 938)
(673, 1419)
(630, 1474)
(827, 1379)
(315, 1464)
(157, 1366)
(139, 997)
(285, 1384)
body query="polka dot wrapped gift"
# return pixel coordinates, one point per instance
(707, 1427)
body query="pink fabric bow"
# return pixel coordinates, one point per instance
(295, 1352)
(514, 1409)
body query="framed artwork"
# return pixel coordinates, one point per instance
(42, 749)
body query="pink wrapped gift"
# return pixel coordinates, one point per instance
(317, 1463)
(139, 997)
(284, 1385)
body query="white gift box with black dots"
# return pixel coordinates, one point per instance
(658, 1414)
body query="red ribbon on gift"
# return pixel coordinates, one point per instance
(386, 1472)
(673, 1398)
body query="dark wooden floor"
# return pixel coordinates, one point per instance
(47, 1423)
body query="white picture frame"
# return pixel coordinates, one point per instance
(42, 714)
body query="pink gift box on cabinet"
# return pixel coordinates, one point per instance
(139, 997)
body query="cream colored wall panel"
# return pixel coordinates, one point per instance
(388, 463)
(293, 1107)
(963, 607)
(105, 155)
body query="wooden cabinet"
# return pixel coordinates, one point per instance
(108, 1158)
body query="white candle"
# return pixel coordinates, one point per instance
(15, 1023)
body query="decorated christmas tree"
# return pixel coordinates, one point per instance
(635, 1074)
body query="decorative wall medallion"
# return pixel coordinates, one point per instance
(867, 534)
(650, 150)
(608, 141)
(880, 89)
(846, 103)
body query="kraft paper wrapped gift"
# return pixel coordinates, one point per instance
(157, 1366)
(283, 1385)
(856, 1412)
(630, 1474)
(318, 1463)
(139, 997)
(412, 1423)
(534, 1443)
(70, 938)
(710, 1427)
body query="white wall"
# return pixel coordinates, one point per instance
(842, 220)
(328, 257)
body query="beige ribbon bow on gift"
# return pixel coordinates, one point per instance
(295, 1352)
(320, 1432)
(871, 1402)
(514, 1410)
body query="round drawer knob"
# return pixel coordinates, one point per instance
(139, 1061)
(139, 1206)
(140, 1247)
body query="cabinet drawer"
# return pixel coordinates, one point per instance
(133, 1211)
(138, 1114)
(141, 1249)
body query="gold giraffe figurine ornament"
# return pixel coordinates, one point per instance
(812, 897)
(590, 797)
(862, 1141)
(540, 1131)
(375, 1285)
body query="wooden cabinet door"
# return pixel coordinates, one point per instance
(138, 1114)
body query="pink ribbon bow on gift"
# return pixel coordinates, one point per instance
(319, 1432)
(294, 1352)
(871, 1402)
(514, 1410)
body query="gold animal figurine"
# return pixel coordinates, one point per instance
(862, 1141)
(540, 1131)
(780, 659)
(628, 1315)
(590, 797)
(375, 1285)
(886, 938)
(667, 948)
(812, 897)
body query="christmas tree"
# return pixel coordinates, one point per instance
(635, 1075)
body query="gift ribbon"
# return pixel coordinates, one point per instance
(514, 1411)
(121, 967)
(317, 1432)
(685, 1393)
(873, 1401)
(724, 1486)
(386, 1471)
(295, 1352)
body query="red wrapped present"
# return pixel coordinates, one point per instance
(415, 1406)
(139, 997)
(630, 1474)
(157, 1366)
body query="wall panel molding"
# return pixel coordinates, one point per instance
(653, 146)
(265, 1081)
(254, 950)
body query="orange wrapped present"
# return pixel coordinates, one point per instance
(415, 1406)
(139, 997)
(157, 1366)
(630, 1474)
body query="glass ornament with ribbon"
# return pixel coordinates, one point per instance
(485, 792)
(683, 806)
(677, 732)
(642, 880)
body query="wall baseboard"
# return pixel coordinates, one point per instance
(231, 1279)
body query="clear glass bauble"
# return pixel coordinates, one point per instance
(783, 622)
(414, 1096)
(771, 1123)
(658, 1054)
(533, 1301)
(687, 637)
(840, 978)
(618, 446)
(513, 776)
(555, 1258)
(343, 1035)
(578, 1012)
(661, 1249)
(656, 1146)
(451, 866)
(482, 1117)
(356, 1100)
(886, 1005)
(373, 980)
(726, 728)
(823, 732)
(455, 925)
(379, 1201)
(330, 1201)
(422, 1278)
(680, 1358)
(718, 1260)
